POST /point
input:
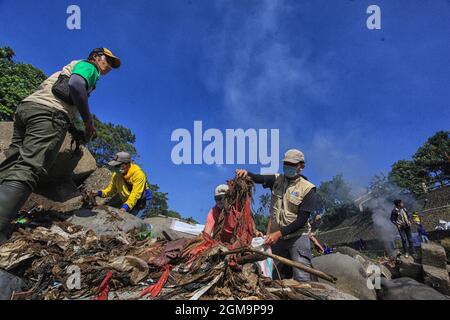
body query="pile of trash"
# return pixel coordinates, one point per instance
(60, 258)
(123, 266)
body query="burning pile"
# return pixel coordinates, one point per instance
(125, 267)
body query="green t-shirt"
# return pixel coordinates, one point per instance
(89, 72)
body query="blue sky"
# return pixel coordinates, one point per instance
(354, 100)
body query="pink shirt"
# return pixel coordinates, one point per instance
(213, 216)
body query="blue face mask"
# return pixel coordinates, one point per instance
(115, 169)
(289, 171)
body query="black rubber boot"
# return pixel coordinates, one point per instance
(13, 195)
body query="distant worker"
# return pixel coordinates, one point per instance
(129, 182)
(214, 213)
(423, 234)
(327, 249)
(400, 218)
(40, 125)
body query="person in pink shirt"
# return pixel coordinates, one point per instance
(213, 214)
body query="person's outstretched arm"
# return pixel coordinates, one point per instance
(267, 180)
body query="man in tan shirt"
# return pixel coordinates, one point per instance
(293, 200)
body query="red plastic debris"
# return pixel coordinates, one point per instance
(156, 288)
(240, 220)
(245, 227)
(207, 243)
(103, 289)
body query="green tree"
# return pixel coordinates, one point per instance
(434, 157)
(17, 81)
(336, 201)
(173, 214)
(430, 166)
(191, 220)
(158, 202)
(408, 175)
(380, 186)
(111, 139)
(337, 214)
(334, 193)
(7, 53)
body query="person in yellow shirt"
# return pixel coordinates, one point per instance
(129, 182)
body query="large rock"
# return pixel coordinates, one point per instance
(68, 165)
(349, 251)
(434, 255)
(408, 289)
(437, 278)
(331, 293)
(58, 190)
(77, 165)
(351, 275)
(98, 180)
(46, 204)
(409, 268)
(365, 261)
(6, 132)
(105, 220)
(323, 290)
(9, 284)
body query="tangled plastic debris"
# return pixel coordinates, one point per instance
(125, 266)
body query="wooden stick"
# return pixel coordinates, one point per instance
(250, 258)
(285, 261)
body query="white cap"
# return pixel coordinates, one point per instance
(221, 190)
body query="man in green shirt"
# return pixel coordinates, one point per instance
(40, 125)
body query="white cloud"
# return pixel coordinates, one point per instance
(268, 79)
(262, 78)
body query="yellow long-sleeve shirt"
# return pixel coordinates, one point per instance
(129, 187)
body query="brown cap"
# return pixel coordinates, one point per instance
(294, 156)
(119, 158)
(115, 60)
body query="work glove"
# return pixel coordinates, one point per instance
(90, 131)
